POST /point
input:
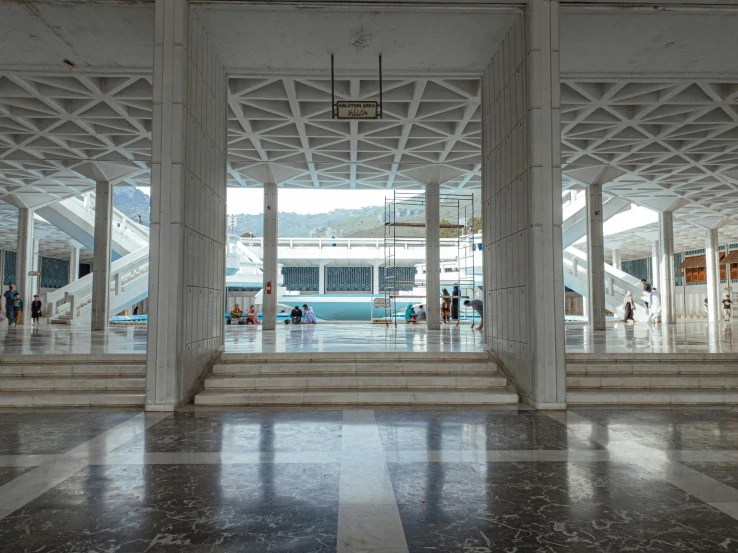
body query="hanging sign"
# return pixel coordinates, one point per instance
(34, 273)
(381, 303)
(357, 110)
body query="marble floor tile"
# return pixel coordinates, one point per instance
(551, 507)
(66, 339)
(665, 429)
(262, 431)
(227, 507)
(8, 474)
(726, 473)
(475, 430)
(686, 336)
(53, 432)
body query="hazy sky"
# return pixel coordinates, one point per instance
(251, 200)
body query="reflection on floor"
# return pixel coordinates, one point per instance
(393, 481)
(686, 336)
(66, 339)
(352, 337)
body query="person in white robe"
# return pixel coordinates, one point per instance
(308, 315)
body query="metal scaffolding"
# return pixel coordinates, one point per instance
(404, 214)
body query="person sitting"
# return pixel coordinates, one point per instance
(421, 313)
(309, 315)
(235, 314)
(411, 317)
(296, 315)
(252, 318)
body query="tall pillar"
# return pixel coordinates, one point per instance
(188, 208)
(655, 264)
(521, 195)
(375, 278)
(616, 259)
(36, 267)
(271, 209)
(24, 260)
(101, 255)
(73, 263)
(712, 253)
(321, 277)
(2, 273)
(666, 288)
(433, 256)
(595, 257)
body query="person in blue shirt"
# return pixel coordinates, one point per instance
(17, 308)
(8, 295)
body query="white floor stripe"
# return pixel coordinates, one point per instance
(368, 517)
(660, 463)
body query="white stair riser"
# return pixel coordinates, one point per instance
(373, 357)
(71, 384)
(73, 400)
(676, 381)
(353, 368)
(73, 370)
(652, 368)
(359, 398)
(401, 382)
(651, 397)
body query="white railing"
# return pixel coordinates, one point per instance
(348, 243)
(126, 272)
(121, 222)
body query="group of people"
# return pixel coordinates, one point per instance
(726, 307)
(236, 316)
(298, 316)
(449, 309)
(14, 307)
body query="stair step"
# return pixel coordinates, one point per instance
(363, 397)
(665, 396)
(72, 399)
(652, 381)
(346, 357)
(294, 383)
(72, 370)
(71, 384)
(391, 368)
(671, 367)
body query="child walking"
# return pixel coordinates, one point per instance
(17, 308)
(35, 310)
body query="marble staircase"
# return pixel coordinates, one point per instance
(652, 379)
(75, 380)
(356, 379)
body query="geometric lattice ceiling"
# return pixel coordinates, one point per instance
(51, 125)
(669, 140)
(426, 124)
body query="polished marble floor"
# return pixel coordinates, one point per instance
(66, 339)
(686, 336)
(380, 481)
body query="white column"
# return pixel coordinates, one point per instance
(595, 257)
(375, 278)
(521, 191)
(432, 256)
(188, 207)
(655, 264)
(712, 252)
(271, 209)
(36, 267)
(73, 264)
(666, 285)
(321, 277)
(2, 275)
(24, 260)
(616, 260)
(101, 255)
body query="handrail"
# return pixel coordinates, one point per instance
(353, 242)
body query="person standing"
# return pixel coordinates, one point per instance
(478, 306)
(455, 302)
(646, 288)
(628, 307)
(35, 310)
(139, 220)
(706, 308)
(8, 295)
(726, 306)
(17, 309)
(655, 301)
(445, 305)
